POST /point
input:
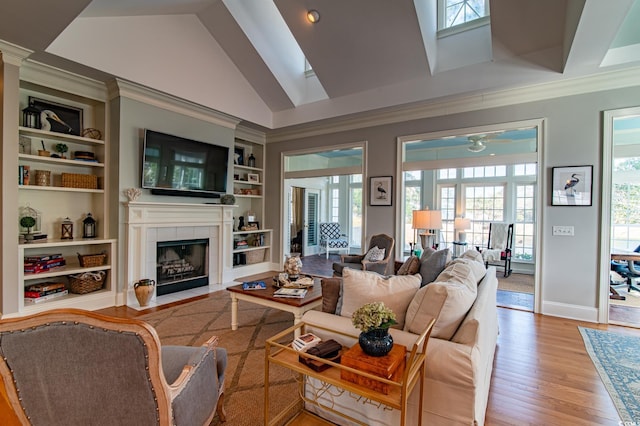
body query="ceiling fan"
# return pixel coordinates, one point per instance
(478, 142)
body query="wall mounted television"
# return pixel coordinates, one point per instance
(172, 165)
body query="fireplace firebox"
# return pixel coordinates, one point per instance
(181, 265)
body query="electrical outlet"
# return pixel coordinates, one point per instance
(563, 231)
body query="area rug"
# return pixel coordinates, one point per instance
(194, 322)
(616, 357)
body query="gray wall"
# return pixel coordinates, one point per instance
(129, 119)
(570, 265)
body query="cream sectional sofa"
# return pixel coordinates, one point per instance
(460, 350)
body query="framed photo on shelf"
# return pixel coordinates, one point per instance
(238, 156)
(380, 190)
(70, 117)
(253, 177)
(572, 186)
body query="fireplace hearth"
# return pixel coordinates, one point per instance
(181, 265)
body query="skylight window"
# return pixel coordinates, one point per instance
(461, 15)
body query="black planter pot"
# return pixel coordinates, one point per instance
(377, 342)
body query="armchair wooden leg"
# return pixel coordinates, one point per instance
(220, 408)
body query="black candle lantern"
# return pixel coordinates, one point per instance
(66, 232)
(89, 228)
(31, 117)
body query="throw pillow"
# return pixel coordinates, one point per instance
(411, 266)
(474, 260)
(331, 291)
(448, 300)
(375, 254)
(432, 263)
(361, 287)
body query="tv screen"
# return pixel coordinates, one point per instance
(178, 166)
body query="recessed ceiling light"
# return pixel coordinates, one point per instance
(313, 16)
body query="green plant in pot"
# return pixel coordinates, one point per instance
(61, 148)
(373, 320)
(28, 222)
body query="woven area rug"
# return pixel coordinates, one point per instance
(194, 322)
(616, 357)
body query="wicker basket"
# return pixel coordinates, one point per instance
(87, 282)
(254, 256)
(91, 260)
(75, 180)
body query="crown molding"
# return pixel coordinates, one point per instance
(250, 135)
(13, 54)
(137, 92)
(55, 78)
(627, 77)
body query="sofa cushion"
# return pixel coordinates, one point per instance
(331, 292)
(432, 263)
(361, 287)
(447, 299)
(474, 260)
(411, 266)
(375, 254)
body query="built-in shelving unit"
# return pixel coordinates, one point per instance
(248, 188)
(63, 185)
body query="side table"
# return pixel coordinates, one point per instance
(279, 352)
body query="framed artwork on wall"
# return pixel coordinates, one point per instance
(380, 190)
(57, 117)
(571, 186)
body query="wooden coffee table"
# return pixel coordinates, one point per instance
(265, 297)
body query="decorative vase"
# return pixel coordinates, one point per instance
(293, 266)
(376, 342)
(144, 291)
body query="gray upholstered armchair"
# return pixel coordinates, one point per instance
(384, 266)
(74, 367)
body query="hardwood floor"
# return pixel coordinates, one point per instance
(542, 374)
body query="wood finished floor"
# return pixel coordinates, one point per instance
(542, 374)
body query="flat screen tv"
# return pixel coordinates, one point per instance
(173, 165)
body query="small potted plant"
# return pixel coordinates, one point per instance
(373, 320)
(61, 148)
(28, 222)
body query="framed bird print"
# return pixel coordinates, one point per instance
(572, 186)
(59, 118)
(380, 191)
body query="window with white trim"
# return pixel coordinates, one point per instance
(455, 13)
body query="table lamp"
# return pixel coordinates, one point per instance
(461, 224)
(429, 220)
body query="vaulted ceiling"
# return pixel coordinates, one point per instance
(246, 57)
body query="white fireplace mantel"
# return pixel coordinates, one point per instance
(150, 222)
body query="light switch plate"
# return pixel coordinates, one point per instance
(563, 231)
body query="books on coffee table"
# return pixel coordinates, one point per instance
(296, 293)
(254, 285)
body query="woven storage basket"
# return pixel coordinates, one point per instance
(91, 260)
(75, 180)
(254, 256)
(87, 282)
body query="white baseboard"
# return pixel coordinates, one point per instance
(565, 310)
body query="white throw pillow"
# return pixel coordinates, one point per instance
(474, 260)
(374, 254)
(361, 287)
(448, 299)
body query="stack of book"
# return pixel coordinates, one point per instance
(295, 293)
(37, 293)
(35, 264)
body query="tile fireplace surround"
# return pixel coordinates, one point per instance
(149, 223)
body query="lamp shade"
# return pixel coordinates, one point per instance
(461, 223)
(427, 219)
